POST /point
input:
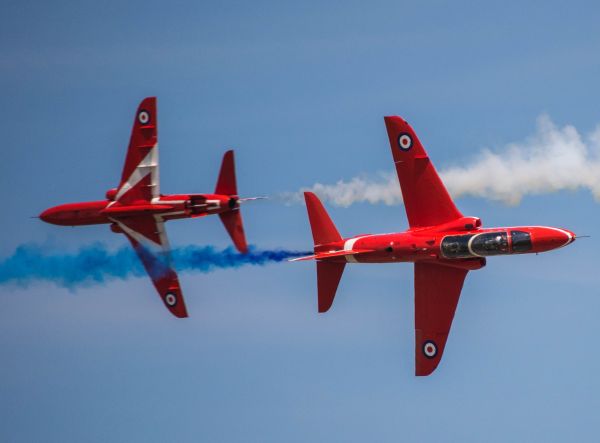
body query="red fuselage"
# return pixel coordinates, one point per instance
(453, 245)
(168, 207)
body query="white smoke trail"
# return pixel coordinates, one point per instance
(552, 159)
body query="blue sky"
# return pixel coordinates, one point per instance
(299, 90)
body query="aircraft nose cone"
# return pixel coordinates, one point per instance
(571, 236)
(552, 238)
(564, 237)
(44, 216)
(49, 215)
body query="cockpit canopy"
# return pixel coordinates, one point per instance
(456, 246)
(485, 244)
(490, 243)
(521, 241)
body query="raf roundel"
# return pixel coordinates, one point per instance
(144, 117)
(405, 141)
(429, 349)
(171, 299)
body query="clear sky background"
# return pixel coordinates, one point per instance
(299, 89)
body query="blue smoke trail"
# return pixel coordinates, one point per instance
(97, 264)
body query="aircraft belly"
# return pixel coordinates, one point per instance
(384, 257)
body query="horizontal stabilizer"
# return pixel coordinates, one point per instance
(329, 275)
(325, 255)
(232, 220)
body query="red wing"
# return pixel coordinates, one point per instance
(139, 180)
(426, 199)
(437, 290)
(149, 239)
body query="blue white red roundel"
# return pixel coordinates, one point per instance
(429, 349)
(171, 299)
(405, 141)
(144, 117)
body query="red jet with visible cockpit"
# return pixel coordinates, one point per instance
(443, 244)
(137, 208)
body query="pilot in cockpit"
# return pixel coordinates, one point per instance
(452, 247)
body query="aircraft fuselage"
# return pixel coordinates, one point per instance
(464, 249)
(168, 207)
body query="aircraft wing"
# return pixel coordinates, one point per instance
(437, 290)
(139, 180)
(149, 240)
(426, 199)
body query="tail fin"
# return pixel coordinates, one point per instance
(226, 184)
(323, 229)
(329, 275)
(232, 219)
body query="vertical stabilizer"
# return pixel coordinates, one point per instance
(323, 229)
(232, 219)
(329, 273)
(226, 184)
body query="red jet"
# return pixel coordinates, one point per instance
(443, 244)
(137, 208)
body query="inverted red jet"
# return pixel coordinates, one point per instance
(443, 244)
(137, 208)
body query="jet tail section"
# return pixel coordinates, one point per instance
(232, 220)
(323, 229)
(329, 275)
(226, 184)
(331, 254)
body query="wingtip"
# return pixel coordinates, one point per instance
(148, 101)
(180, 313)
(423, 370)
(393, 118)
